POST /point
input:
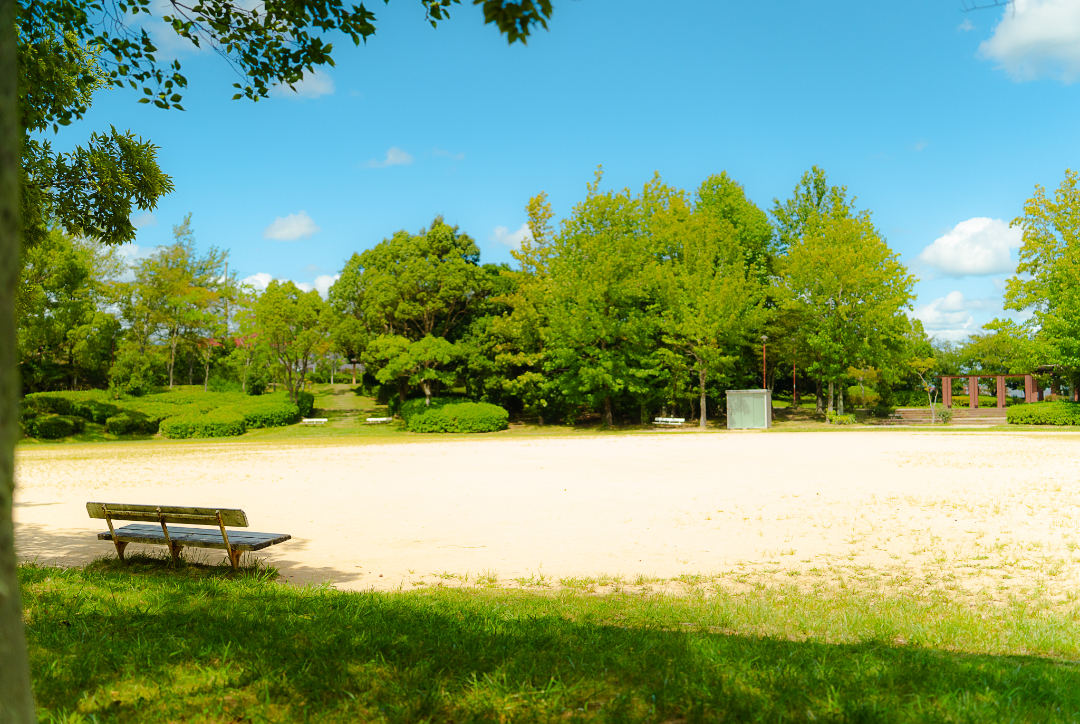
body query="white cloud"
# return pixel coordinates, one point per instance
(965, 26)
(950, 316)
(313, 85)
(291, 227)
(130, 254)
(260, 280)
(1037, 39)
(323, 282)
(512, 239)
(144, 220)
(921, 145)
(451, 156)
(394, 157)
(975, 247)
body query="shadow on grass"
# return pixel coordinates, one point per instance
(147, 641)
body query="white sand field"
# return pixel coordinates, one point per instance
(990, 514)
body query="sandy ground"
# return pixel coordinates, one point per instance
(990, 514)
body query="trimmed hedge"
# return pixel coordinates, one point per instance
(418, 406)
(145, 415)
(54, 427)
(130, 422)
(271, 413)
(1044, 413)
(222, 422)
(460, 417)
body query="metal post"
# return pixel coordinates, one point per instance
(764, 339)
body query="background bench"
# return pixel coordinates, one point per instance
(234, 542)
(313, 421)
(669, 420)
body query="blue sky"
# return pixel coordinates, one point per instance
(940, 121)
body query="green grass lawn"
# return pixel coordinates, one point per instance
(149, 642)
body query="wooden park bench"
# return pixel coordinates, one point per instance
(669, 420)
(234, 542)
(313, 421)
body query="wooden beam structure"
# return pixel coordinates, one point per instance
(1031, 389)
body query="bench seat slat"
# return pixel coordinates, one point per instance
(242, 540)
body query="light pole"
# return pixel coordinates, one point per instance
(764, 339)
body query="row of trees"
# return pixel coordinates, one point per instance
(635, 303)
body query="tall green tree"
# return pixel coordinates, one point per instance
(717, 257)
(846, 288)
(1047, 279)
(66, 334)
(177, 296)
(603, 300)
(292, 323)
(273, 43)
(407, 290)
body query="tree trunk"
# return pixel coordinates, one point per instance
(607, 411)
(206, 374)
(840, 402)
(426, 385)
(190, 369)
(819, 401)
(172, 361)
(16, 699)
(831, 397)
(354, 372)
(701, 389)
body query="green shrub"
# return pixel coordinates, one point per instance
(945, 415)
(48, 403)
(53, 427)
(271, 413)
(1044, 413)
(223, 422)
(305, 401)
(419, 406)
(837, 419)
(94, 410)
(459, 417)
(130, 422)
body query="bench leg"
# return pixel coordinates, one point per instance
(120, 549)
(175, 550)
(234, 559)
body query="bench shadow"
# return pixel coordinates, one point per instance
(407, 657)
(78, 547)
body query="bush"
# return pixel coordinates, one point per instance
(1044, 413)
(419, 406)
(256, 385)
(94, 410)
(48, 403)
(459, 417)
(223, 422)
(272, 413)
(304, 402)
(130, 422)
(837, 419)
(52, 427)
(945, 415)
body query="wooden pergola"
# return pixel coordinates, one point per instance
(1031, 388)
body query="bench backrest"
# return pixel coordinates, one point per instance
(168, 513)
